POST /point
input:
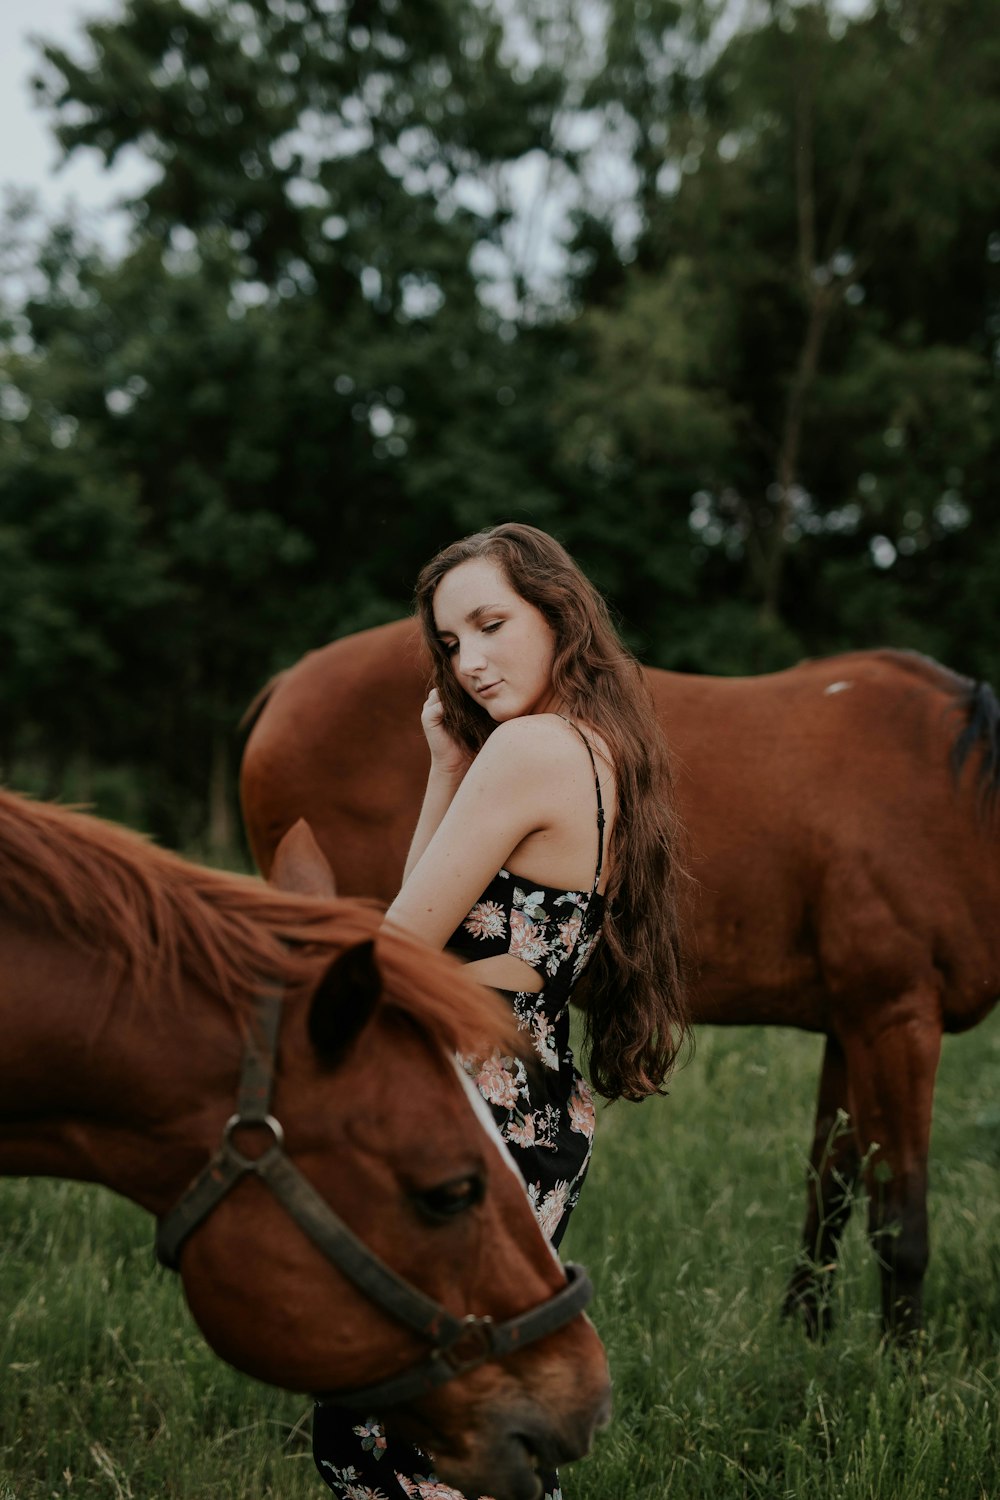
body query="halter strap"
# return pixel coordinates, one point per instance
(600, 803)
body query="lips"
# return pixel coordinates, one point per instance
(488, 687)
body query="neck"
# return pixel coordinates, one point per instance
(554, 704)
(98, 1085)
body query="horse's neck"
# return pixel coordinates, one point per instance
(95, 1084)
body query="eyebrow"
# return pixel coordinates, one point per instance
(474, 615)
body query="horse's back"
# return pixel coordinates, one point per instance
(338, 741)
(831, 846)
(836, 721)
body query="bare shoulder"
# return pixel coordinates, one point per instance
(543, 748)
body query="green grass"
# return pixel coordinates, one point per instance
(689, 1226)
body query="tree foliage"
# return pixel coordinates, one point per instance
(757, 395)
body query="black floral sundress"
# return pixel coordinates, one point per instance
(545, 1116)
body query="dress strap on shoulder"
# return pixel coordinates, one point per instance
(600, 803)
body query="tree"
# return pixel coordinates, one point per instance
(817, 199)
(758, 401)
(290, 367)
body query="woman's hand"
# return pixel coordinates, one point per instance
(448, 756)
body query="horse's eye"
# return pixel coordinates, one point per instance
(450, 1199)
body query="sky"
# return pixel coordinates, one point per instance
(30, 155)
(29, 152)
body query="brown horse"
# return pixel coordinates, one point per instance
(128, 980)
(846, 878)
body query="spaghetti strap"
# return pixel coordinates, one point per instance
(600, 803)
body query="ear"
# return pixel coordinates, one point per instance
(344, 1001)
(300, 866)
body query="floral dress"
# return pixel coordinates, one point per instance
(545, 1116)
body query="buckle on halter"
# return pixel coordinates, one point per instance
(239, 1122)
(472, 1347)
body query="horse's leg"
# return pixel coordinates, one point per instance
(892, 1063)
(834, 1163)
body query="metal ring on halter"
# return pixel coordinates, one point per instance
(240, 1122)
(472, 1347)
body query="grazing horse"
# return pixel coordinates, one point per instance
(130, 990)
(846, 878)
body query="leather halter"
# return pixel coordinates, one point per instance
(456, 1344)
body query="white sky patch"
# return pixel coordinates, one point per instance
(30, 156)
(883, 553)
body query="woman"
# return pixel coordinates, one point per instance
(545, 847)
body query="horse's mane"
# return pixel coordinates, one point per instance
(158, 920)
(982, 727)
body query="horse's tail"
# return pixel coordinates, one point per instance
(255, 708)
(982, 727)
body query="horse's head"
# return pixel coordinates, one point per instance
(383, 1124)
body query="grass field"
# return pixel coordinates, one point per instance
(688, 1225)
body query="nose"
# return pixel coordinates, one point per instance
(471, 659)
(529, 1442)
(573, 1437)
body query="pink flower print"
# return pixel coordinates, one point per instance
(526, 941)
(373, 1439)
(486, 920)
(522, 1134)
(353, 1489)
(541, 1034)
(550, 1211)
(569, 931)
(428, 1489)
(581, 1110)
(496, 1083)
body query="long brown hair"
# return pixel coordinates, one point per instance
(634, 992)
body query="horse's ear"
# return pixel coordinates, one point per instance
(344, 1001)
(300, 866)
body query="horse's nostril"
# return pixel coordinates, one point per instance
(533, 1475)
(546, 1449)
(529, 1448)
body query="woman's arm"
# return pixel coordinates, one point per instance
(449, 763)
(509, 791)
(438, 797)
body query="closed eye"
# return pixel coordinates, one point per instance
(450, 1199)
(492, 627)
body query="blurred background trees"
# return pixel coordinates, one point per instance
(713, 293)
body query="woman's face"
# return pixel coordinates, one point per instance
(501, 647)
